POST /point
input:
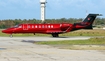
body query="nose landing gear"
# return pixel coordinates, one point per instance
(11, 35)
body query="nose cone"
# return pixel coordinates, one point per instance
(8, 31)
(4, 31)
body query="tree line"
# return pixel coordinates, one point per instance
(10, 22)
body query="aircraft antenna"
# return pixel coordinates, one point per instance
(86, 12)
(86, 15)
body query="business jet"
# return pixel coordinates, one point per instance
(53, 29)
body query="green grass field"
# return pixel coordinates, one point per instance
(92, 41)
(91, 44)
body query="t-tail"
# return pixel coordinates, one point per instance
(87, 22)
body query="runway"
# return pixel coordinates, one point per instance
(45, 38)
(14, 49)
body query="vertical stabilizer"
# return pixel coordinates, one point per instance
(87, 22)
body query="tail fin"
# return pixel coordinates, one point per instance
(90, 18)
(87, 22)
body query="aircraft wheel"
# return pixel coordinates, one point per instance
(55, 35)
(34, 33)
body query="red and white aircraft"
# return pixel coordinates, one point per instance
(53, 29)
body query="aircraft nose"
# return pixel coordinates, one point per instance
(4, 31)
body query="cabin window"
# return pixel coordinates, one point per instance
(32, 26)
(51, 26)
(42, 26)
(46, 26)
(28, 26)
(39, 26)
(36, 26)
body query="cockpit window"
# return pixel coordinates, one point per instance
(16, 26)
(20, 26)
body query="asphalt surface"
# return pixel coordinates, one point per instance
(44, 38)
(22, 49)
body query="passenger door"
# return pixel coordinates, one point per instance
(25, 26)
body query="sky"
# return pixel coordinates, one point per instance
(55, 9)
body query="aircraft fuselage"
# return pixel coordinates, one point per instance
(39, 28)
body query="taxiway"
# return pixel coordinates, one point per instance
(44, 38)
(15, 49)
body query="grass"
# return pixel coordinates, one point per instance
(92, 41)
(90, 44)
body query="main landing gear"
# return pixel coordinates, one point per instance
(55, 35)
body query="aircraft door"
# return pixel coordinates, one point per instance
(25, 26)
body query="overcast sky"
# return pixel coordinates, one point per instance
(55, 9)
